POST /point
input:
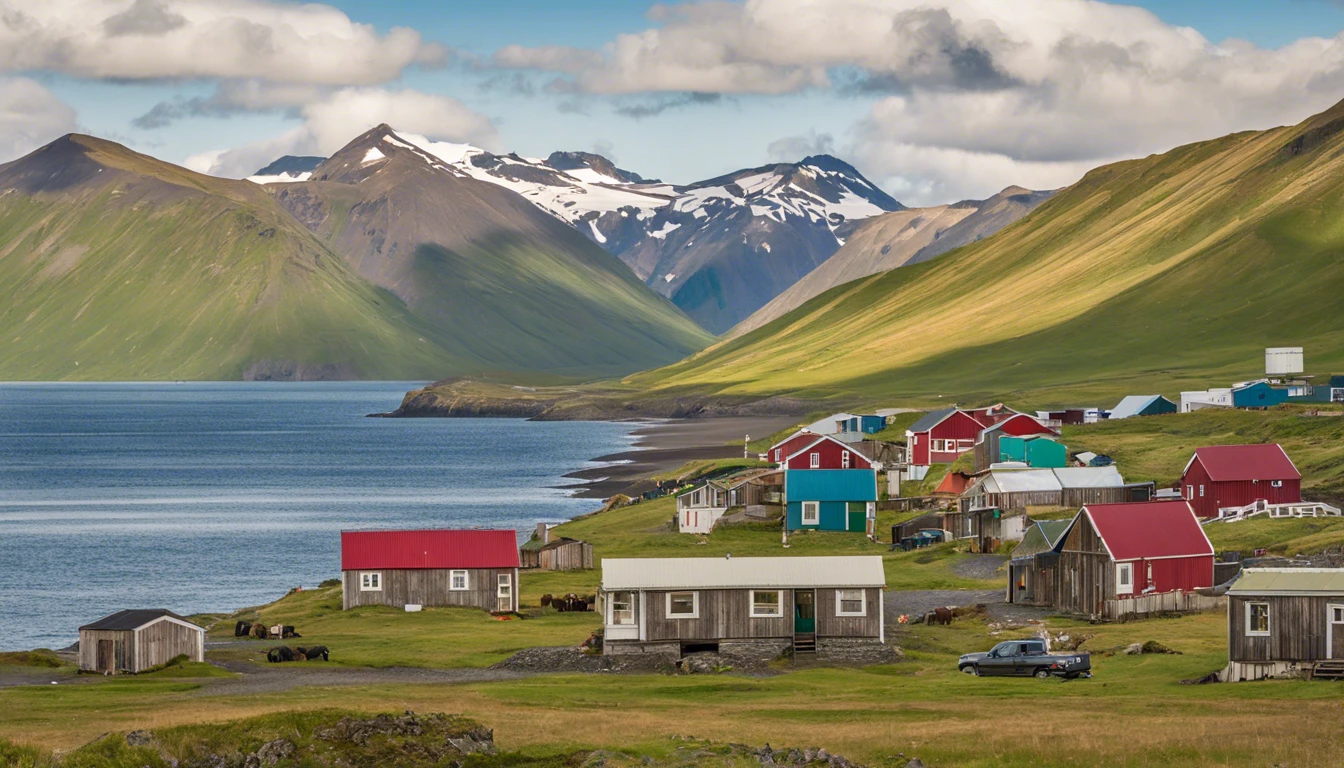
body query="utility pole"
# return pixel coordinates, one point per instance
(746, 441)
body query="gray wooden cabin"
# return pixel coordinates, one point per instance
(430, 568)
(1285, 621)
(133, 641)
(757, 606)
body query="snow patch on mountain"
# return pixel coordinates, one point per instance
(280, 178)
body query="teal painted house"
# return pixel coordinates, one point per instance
(829, 499)
(1258, 395)
(1034, 451)
(1331, 391)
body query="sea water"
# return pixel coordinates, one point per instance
(211, 497)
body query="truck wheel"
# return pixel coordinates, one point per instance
(1042, 673)
(970, 670)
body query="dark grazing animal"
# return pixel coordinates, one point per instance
(280, 654)
(546, 599)
(317, 652)
(242, 629)
(288, 631)
(942, 616)
(259, 631)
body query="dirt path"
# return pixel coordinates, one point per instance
(980, 567)
(917, 602)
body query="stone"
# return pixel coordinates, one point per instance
(139, 738)
(1133, 649)
(915, 763)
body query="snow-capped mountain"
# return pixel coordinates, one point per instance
(719, 249)
(287, 169)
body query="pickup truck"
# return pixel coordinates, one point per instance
(1026, 658)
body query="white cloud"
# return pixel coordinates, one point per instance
(971, 95)
(330, 122)
(30, 116)
(150, 39)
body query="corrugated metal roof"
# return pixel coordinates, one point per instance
(830, 485)
(1041, 537)
(361, 550)
(1132, 405)
(931, 420)
(1149, 529)
(1268, 581)
(1247, 462)
(742, 572)
(133, 618)
(1089, 477)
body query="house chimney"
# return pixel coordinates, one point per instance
(543, 533)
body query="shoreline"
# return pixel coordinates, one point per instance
(663, 446)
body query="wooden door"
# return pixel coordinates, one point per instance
(804, 611)
(107, 659)
(1335, 629)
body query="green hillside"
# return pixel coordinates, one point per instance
(117, 266)
(1167, 272)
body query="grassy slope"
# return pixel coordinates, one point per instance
(522, 300)
(164, 274)
(1152, 274)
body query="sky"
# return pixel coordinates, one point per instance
(934, 100)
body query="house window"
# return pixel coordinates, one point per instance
(850, 602)
(457, 580)
(1124, 579)
(698, 498)
(1201, 490)
(766, 603)
(811, 513)
(816, 460)
(1257, 619)
(683, 605)
(1338, 615)
(1275, 483)
(622, 609)
(844, 460)
(370, 582)
(777, 451)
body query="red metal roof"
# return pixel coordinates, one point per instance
(1246, 462)
(361, 550)
(954, 483)
(1149, 529)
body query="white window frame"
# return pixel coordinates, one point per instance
(815, 508)
(1121, 588)
(504, 587)
(1201, 490)
(612, 617)
(695, 605)
(1275, 483)
(371, 581)
(844, 460)
(814, 460)
(840, 602)
(1250, 611)
(778, 604)
(452, 580)
(1189, 492)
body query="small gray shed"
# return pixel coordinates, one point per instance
(135, 640)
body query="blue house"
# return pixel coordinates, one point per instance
(1330, 391)
(1258, 394)
(849, 427)
(830, 499)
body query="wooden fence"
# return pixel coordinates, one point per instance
(1167, 602)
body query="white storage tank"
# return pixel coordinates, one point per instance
(1283, 361)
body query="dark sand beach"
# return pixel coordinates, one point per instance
(665, 445)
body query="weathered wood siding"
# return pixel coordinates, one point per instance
(725, 614)
(429, 587)
(1162, 602)
(830, 625)
(1297, 629)
(1086, 575)
(163, 641)
(123, 644)
(1081, 497)
(570, 556)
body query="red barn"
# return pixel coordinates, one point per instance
(940, 437)
(477, 569)
(791, 445)
(825, 452)
(1119, 551)
(1226, 476)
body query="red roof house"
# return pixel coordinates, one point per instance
(791, 445)
(1228, 476)
(825, 452)
(1121, 551)
(939, 437)
(468, 568)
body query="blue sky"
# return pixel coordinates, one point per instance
(913, 139)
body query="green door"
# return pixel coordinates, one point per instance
(858, 516)
(804, 611)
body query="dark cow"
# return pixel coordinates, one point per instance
(242, 629)
(317, 652)
(940, 616)
(280, 654)
(546, 599)
(259, 631)
(288, 631)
